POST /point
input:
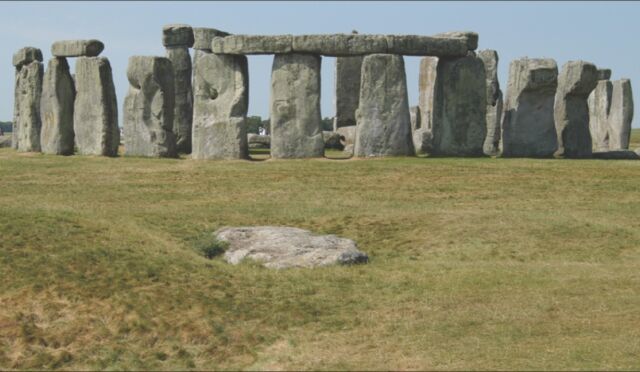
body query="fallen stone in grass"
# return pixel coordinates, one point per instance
(617, 155)
(284, 247)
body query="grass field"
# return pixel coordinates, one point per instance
(474, 264)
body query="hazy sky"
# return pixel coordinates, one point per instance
(605, 33)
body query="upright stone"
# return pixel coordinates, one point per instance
(528, 128)
(56, 108)
(599, 103)
(177, 39)
(149, 108)
(28, 91)
(571, 113)
(494, 101)
(620, 115)
(221, 92)
(459, 107)
(383, 120)
(347, 85)
(95, 113)
(295, 106)
(426, 86)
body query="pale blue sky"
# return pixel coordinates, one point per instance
(605, 33)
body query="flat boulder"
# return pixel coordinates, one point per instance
(285, 247)
(616, 155)
(77, 48)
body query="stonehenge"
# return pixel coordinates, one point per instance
(28, 91)
(95, 112)
(528, 128)
(494, 101)
(198, 106)
(177, 39)
(571, 113)
(295, 106)
(56, 108)
(221, 100)
(620, 115)
(383, 122)
(599, 103)
(149, 108)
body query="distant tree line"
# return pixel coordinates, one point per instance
(254, 123)
(6, 126)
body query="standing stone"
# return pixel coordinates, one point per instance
(620, 115)
(383, 120)
(528, 128)
(295, 107)
(571, 113)
(149, 108)
(426, 86)
(56, 108)
(95, 113)
(494, 101)
(347, 85)
(221, 92)
(178, 39)
(459, 107)
(599, 103)
(28, 91)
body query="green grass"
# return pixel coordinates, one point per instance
(474, 264)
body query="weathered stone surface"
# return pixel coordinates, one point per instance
(470, 37)
(528, 128)
(26, 55)
(491, 145)
(252, 44)
(422, 141)
(77, 48)
(95, 112)
(204, 36)
(285, 247)
(347, 90)
(149, 107)
(414, 117)
(259, 141)
(339, 44)
(295, 107)
(494, 101)
(349, 148)
(26, 115)
(349, 134)
(221, 100)
(599, 102)
(383, 122)
(56, 108)
(616, 155)
(416, 45)
(620, 115)
(604, 74)
(183, 111)
(177, 35)
(342, 44)
(426, 86)
(571, 113)
(333, 140)
(459, 107)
